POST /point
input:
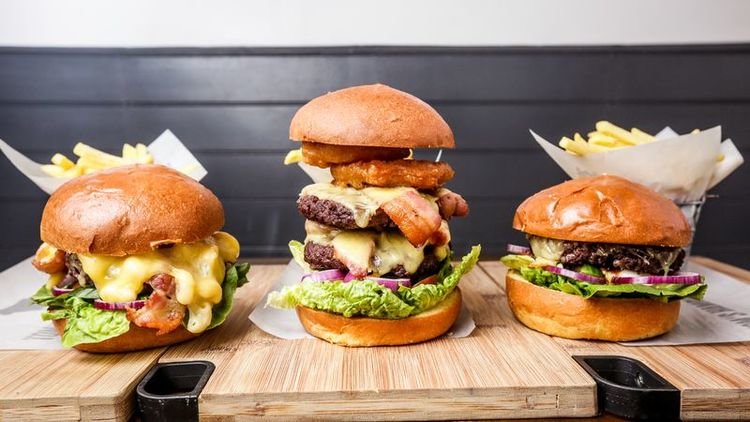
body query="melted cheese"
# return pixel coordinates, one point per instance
(54, 280)
(362, 202)
(378, 253)
(198, 269)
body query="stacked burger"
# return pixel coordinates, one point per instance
(377, 252)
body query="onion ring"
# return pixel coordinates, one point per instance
(418, 174)
(325, 155)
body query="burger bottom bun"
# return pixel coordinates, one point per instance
(363, 331)
(565, 315)
(137, 338)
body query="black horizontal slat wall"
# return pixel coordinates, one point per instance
(232, 108)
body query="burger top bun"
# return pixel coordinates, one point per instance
(371, 115)
(604, 209)
(129, 210)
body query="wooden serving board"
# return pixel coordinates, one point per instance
(502, 370)
(68, 385)
(714, 379)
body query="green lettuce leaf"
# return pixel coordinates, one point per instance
(87, 324)
(44, 296)
(541, 277)
(297, 249)
(368, 298)
(235, 277)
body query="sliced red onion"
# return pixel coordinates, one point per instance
(677, 278)
(523, 250)
(326, 275)
(333, 275)
(118, 306)
(57, 291)
(574, 274)
(391, 283)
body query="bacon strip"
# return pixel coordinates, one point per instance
(162, 311)
(415, 216)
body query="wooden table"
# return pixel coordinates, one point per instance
(502, 370)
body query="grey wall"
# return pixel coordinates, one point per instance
(232, 108)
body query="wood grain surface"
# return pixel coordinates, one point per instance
(68, 385)
(502, 370)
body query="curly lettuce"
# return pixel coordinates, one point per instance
(543, 278)
(367, 297)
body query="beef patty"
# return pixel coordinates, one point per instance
(612, 257)
(334, 214)
(321, 257)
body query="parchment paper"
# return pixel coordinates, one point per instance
(166, 149)
(723, 316)
(681, 167)
(20, 319)
(283, 323)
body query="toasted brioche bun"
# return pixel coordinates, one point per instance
(362, 331)
(565, 315)
(371, 115)
(604, 209)
(136, 338)
(129, 210)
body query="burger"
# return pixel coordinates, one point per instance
(135, 260)
(377, 255)
(604, 261)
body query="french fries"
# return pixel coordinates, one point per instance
(606, 137)
(91, 159)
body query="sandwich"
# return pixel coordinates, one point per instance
(603, 263)
(376, 255)
(135, 260)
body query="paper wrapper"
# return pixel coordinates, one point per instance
(20, 319)
(681, 167)
(166, 149)
(283, 323)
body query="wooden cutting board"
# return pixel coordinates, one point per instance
(68, 385)
(502, 370)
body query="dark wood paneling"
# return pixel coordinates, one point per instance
(498, 127)
(598, 75)
(233, 106)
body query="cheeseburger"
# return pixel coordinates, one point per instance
(135, 260)
(604, 261)
(377, 252)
